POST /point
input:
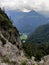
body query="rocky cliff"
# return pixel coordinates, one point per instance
(11, 52)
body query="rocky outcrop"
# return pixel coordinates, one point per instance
(46, 60)
(11, 52)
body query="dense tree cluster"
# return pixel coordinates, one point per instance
(38, 43)
(36, 50)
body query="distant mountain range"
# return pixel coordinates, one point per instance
(40, 35)
(27, 22)
(45, 13)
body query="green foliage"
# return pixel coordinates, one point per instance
(5, 24)
(1, 17)
(3, 14)
(24, 63)
(23, 37)
(6, 27)
(5, 59)
(37, 44)
(37, 50)
(41, 34)
(3, 40)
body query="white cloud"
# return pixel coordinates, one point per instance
(25, 5)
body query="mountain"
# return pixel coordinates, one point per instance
(15, 15)
(41, 34)
(11, 51)
(7, 28)
(10, 44)
(38, 42)
(45, 13)
(27, 22)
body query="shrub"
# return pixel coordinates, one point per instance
(3, 41)
(24, 63)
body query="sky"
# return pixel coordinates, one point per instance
(25, 5)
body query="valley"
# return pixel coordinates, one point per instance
(27, 22)
(30, 47)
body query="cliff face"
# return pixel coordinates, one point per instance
(10, 45)
(7, 28)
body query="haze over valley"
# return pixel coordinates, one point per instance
(27, 22)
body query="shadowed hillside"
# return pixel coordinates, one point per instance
(38, 43)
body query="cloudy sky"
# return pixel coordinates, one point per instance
(25, 5)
